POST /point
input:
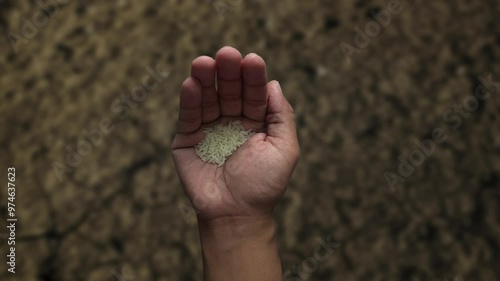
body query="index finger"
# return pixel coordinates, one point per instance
(190, 113)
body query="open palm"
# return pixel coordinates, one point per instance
(254, 178)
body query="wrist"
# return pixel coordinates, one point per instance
(244, 247)
(230, 232)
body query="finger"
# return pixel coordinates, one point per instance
(254, 76)
(280, 117)
(190, 115)
(187, 140)
(203, 69)
(228, 65)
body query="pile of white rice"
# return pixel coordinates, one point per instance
(221, 141)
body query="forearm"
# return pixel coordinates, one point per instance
(240, 249)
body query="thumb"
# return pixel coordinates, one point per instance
(280, 117)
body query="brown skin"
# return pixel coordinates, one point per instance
(235, 202)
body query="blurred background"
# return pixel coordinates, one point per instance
(89, 93)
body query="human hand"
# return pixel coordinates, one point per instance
(254, 178)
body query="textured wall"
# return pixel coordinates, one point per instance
(118, 212)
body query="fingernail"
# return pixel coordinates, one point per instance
(251, 55)
(278, 86)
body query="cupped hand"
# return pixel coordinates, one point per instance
(254, 178)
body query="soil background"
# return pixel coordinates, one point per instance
(120, 213)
